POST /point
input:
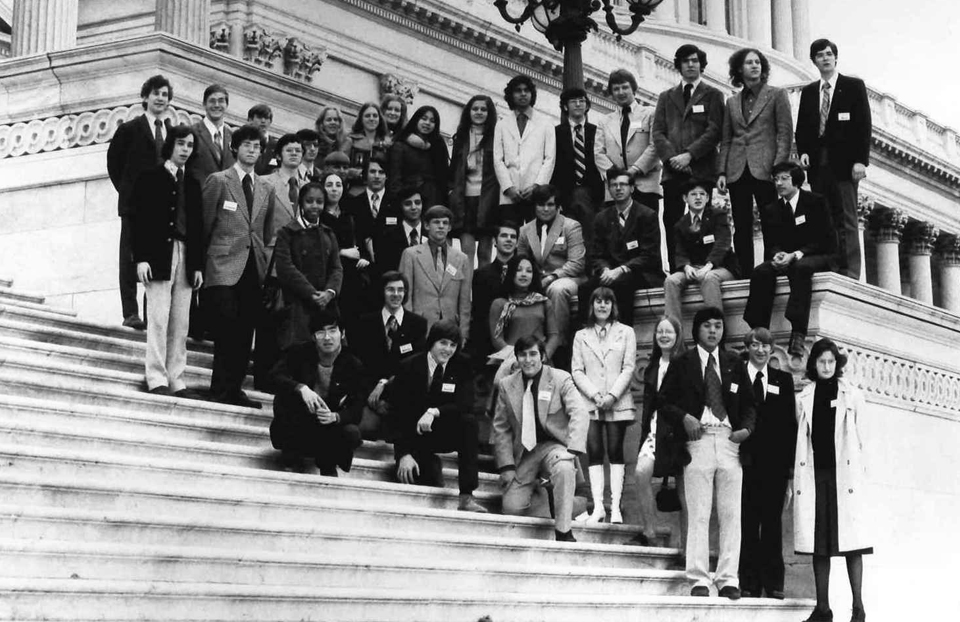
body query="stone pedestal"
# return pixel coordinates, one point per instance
(920, 239)
(759, 23)
(717, 15)
(887, 225)
(43, 26)
(801, 29)
(783, 26)
(948, 249)
(185, 19)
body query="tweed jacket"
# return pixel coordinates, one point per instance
(760, 141)
(564, 254)
(694, 129)
(204, 160)
(285, 211)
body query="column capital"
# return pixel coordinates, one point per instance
(921, 237)
(948, 248)
(887, 224)
(404, 88)
(865, 206)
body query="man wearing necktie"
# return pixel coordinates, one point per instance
(576, 176)
(136, 147)
(285, 181)
(539, 428)
(707, 399)
(431, 401)
(686, 131)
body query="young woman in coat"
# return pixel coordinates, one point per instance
(830, 511)
(419, 157)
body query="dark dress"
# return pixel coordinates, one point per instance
(419, 167)
(355, 281)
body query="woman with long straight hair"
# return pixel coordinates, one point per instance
(475, 191)
(419, 157)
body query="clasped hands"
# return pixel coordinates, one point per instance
(316, 406)
(694, 430)
(696, 274)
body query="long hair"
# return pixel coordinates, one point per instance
(736, 66)
(463, 129)
(678, 347)
(508, 288)
(438, 149)
(380, 132)
(341, 133)
(603, 293)
(818, 349)
(403, 111)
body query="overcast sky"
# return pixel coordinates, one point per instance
(909, 49)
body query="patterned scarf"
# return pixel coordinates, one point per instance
(529, 300)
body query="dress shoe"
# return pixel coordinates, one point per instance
(858, 615)
(469, 504)
(241, 399)
(797, 347)
(730, 591)
(638, 540)
(700, 590)
(776, 594)
(188, 394)
(161, 390)
(820, 616)
(564, 536)
(749, 594)
(134, 322)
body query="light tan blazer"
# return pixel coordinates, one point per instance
(434, 296)
(606, 367)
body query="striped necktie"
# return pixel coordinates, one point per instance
(579, 159)
(824, 107)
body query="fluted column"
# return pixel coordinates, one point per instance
(887, 224)
(801, 29)
(948, 250)
(43, 26)
(783, 26)
(864, 209)
(759, 24)
(185, 19)
(717, 15)
(920, 239)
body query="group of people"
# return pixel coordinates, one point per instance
(388, 261)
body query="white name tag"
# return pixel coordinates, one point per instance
(636, 125)
(560, 241)
(843, 116)
(773, 389)
(544, 395)
(406, 347)
(230, 206)
(632, 244)
(698, 108)
(734, 387)
(451, 270)
(833, 403)
(390, 220)
(708, 239)
(273, 162)
(448, 387)
(800, 220)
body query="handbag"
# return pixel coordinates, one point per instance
(273, 302)
(668, 500)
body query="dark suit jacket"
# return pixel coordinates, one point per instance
(365, 225)
(564, 177)
(370, 342)
(678, 129)
(389, 244)
(683, 393)
(814, 236)
(487, 283)
(204, 161)
(269, 160)
(132, 151)
(846, 140)
(667, 459)
(409, 398)
(710, 244)
(155, 201)
(773, 442)
(609, 246)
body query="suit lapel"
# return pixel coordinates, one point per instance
(763, 98)
(236, 189)
(736, 108)
(514, 389)
(545, 388)
(425, 258)
(593, 342)
(698, 94)
(552, 234)
(676, 96)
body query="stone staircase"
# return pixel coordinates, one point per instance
(120, 505)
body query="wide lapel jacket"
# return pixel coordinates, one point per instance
(424, 257)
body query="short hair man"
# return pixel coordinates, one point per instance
(238, 218)
(703, 255)
(487, 283)
(798, 240)
(284, 179)
(261, 116)
(213, 151)
(555, 243)
(540, 425)
(575, 175)
(625, 255)
(625, 141)
(706, 398)
(767, 458)
(136, 147)
(400, 232)
(168, 249)
(316, 412)
(686, 132)
(834, 128)
(310, 143)
(368, 208)
(432, 397)
(524, 150)
(440, 276)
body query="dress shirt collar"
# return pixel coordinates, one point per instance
(379, 194)
(285, 174)
(171, 168)
(793, 201)
(695, 83)
(432, 366)
(241, 173)
(752, 372)
(213, 129)
(385, 315)
(704, 356)
(152, 121)
(407, 228)
(626, 212)
(833, 84)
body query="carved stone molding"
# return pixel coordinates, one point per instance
(921, 237)
(220, 36)
(289, 55)
(865, 205)
(948, 249)
(888, 223)
(404, 88)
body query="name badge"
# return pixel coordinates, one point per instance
(544, 395)
(734, 387)
(390, 220)
(406, 347)
(698, 108)
(273, 162)
(800, 220)
(773, 389)
(448, 387)
(560, 241)
(708, 239)
(843, 116)
(632, 244)
(636, 125)
(451, 270)
(230, 206)
(833, 403)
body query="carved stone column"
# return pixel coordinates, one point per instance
(887, 224)
(759, 23)
(185, 19)
(801, 29)
(920, 239)
(864, 209)
(717, 15)
(43, 26)
(948, 250)
(783, 26)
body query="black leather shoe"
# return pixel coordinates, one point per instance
(188, 394)
(638, 540)
(777, 594)
(134, 322)
(749, 594)
(161, 390)
(820, 616)
(730, 591)
(241, 399)
(700, 590)
(564, 536)
(797, 344)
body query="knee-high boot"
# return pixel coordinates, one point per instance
(596, 488)
(616, 492)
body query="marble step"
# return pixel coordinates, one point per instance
(178, 564)
(6, 282)
(76, 599)
(11, 293)
(29, 302)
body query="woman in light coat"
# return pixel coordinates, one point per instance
(604, 357)
(830, 507)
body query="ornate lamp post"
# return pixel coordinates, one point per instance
(566, 24)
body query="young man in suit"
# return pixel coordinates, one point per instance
(399, 233)
(686, 132)
(168, 249)
(440, 276)
(383, 339)
(310, 143)
(575, 174)
(136, 146)
(757, 129)
(540, 425)
(624, 139)
(368, 208)
(261, 116)
(213, 151)
(834, 128)
(524, 150)
(286, 185)
(704, 255)
(707, 399)
(320, 393)
(432, 396)
(767, 458)
(238, 217)
(625, 255)
(555, 243)
(799, 240)
(487, 284)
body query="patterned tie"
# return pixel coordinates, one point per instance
(695, 225)
(623, 220)
(392, 328)
(293, 192)
(248, 193)
(528, 432)
(414, 238)
(714, 389)
(579, 159)
(375, 203)
(439, 259)
(758, 388)
(824, 107)
(624, 130)
(218, 145)
(521, 123)
(158, 139)
(687, 94)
